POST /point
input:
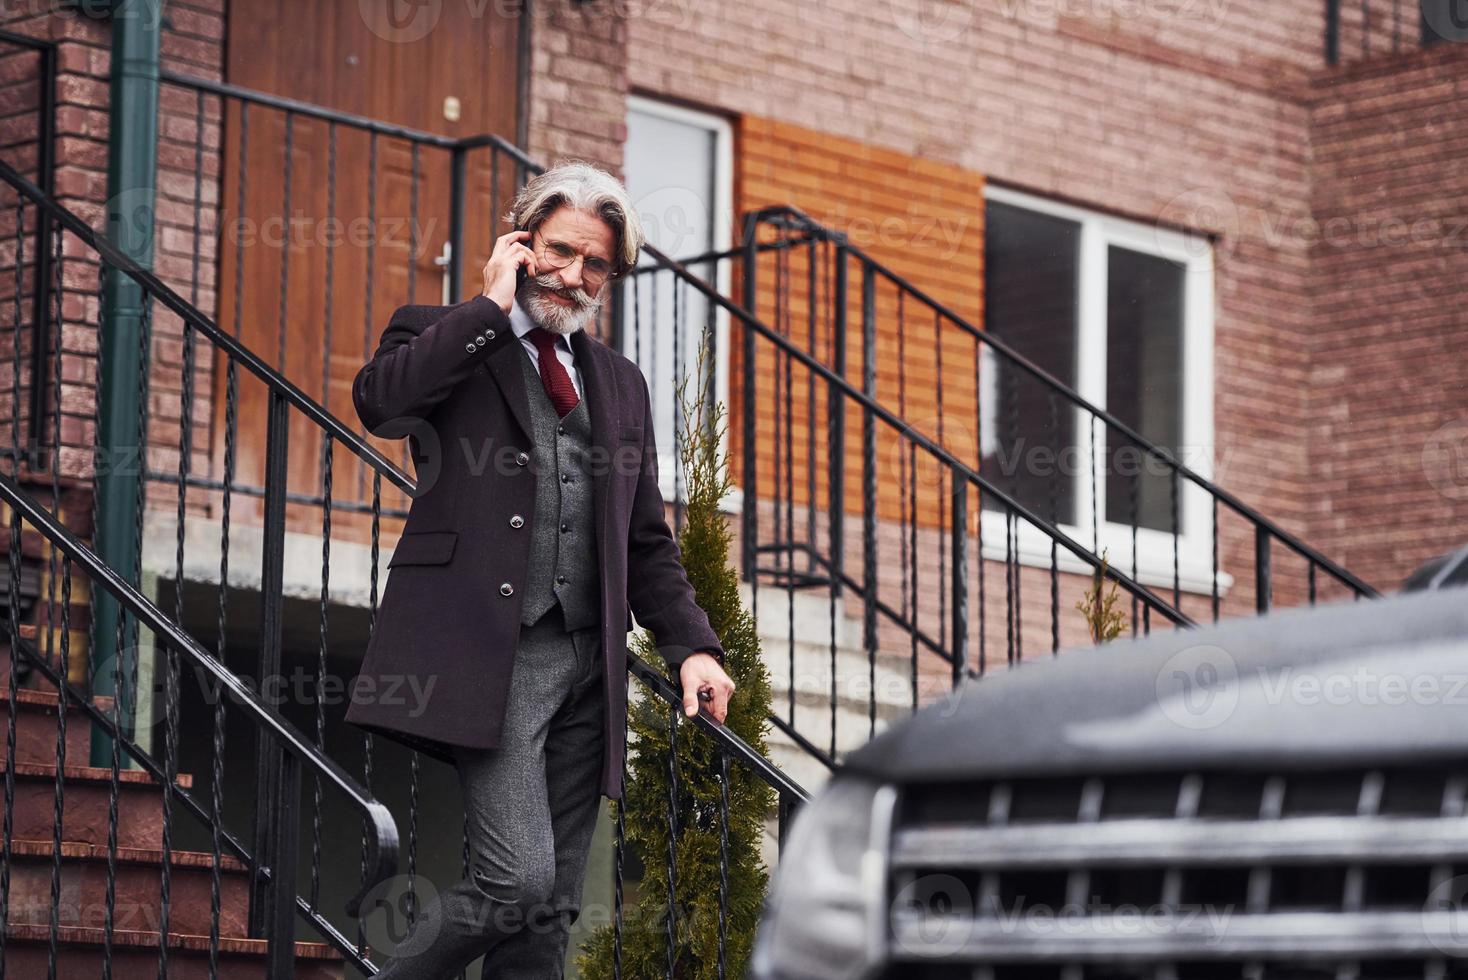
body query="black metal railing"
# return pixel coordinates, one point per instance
(324, 217)
(1359, 30)
(930, 616)
(1006, 416)
(30, 143)
(281, 817)
(273, 866)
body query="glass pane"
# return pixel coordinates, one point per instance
(1144, 370)
(670, 175)
(1028, 436)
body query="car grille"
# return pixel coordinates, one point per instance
(1336, 874)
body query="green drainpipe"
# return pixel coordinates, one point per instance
(131, 185)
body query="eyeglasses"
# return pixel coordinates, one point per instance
(559, 255)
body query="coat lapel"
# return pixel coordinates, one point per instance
(594, 360)
(504, 367)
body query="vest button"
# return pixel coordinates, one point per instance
(561, 579)
(506, 588)
(517, 521)
(561, 429)
(565, 478)
(522, 458)
(565, 528)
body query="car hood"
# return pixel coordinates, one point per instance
(1352, 683)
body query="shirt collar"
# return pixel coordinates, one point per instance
(522, 324)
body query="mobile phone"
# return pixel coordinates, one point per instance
(521, 272)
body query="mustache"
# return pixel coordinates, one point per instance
(551, 283)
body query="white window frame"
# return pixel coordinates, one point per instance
(723, 238)
(1154, 558)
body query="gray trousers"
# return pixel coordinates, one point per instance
(531, 806)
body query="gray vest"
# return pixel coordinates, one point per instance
(563, 530)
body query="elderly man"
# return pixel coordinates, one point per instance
(528, 548)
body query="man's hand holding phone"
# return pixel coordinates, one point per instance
(509, 263)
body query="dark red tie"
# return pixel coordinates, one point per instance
(552, 373)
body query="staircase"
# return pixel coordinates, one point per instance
(812, 710)
(892, 579)
(76, 833)
(69, 859)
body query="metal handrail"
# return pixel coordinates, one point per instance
(383, 840)
(311, 110)
(956, 466)
(806, 223)
(195, 318)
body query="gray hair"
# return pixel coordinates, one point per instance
(587, 188)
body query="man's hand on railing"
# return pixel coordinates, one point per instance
(701, 677)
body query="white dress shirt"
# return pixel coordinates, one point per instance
(522, 323)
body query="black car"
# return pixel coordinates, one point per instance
(1274, 797)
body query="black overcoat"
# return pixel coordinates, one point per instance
(437, 668)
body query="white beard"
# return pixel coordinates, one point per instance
(547, 313)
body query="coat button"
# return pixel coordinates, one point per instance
(489, 334)
(506, 588)
(517, 521)
(470, 348)
(522, 458)
(479, 340)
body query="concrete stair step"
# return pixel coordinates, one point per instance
(812, 616)
(135, 955)
(137, 892)
(85, 804)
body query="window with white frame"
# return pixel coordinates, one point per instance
(679, 172)
(1121, 312)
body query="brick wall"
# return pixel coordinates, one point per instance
(922, 219)
(186, 243)
(578, 83)
(1195, 116)
(1389, 380)
(193, 43)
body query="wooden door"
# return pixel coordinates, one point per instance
(327, 228)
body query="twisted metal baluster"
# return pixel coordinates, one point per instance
(216, 796)
(13, 680)
(1055, 521)
(370, 289)
(326, 463)
(285, 249)
(54, 934)
(723, 861)
(618, 855)
(371, 628)
(672, 837)
(241, 189)
(323, 630)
